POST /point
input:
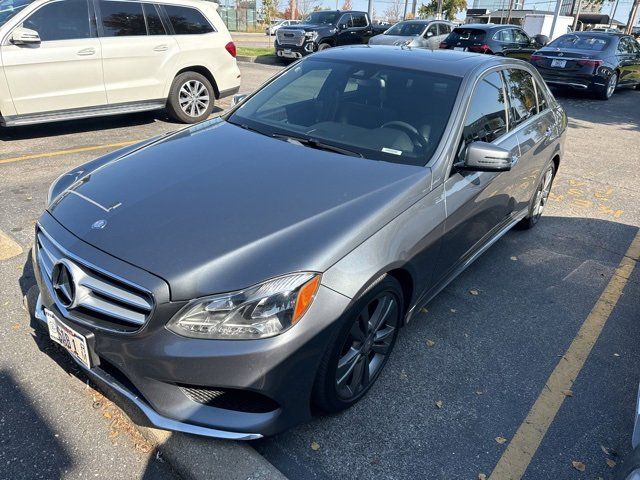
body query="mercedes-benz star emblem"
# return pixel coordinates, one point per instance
(63, 284)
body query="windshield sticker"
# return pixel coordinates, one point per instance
(392, 151)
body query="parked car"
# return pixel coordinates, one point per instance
(231, 291)
(414, 33)
(324, 29)
(271, 30)
(629, 469)
(504, 40)
(71, 59)
(594, 61)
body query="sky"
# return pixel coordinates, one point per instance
(622, 12)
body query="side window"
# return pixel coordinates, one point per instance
(520, 36)
(432, 29)
(505, 35)
(346, 20)
(187, 21)
(63, 20)
(444, 29)
(522, 95)
(154, 24)
(487, 117)
(122, 19)
(359, 20)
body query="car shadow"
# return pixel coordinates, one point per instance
(87, 125)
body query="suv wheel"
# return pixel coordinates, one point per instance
(540, 198)
(191, 98)
(360, 348)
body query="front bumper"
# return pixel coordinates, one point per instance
(158, 371)
(294, 51)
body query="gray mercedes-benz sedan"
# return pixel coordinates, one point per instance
(232, 278)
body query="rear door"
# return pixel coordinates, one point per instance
(138, 53)
(431, 35)
(523, 44)
(627, 60)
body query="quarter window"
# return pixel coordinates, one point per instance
(187, 21)
(522, 95)
(542, 101)
(122, 19)
(154, 24)
(64, 20)
(487, 117)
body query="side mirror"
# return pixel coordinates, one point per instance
(342, 26)
(429, 34)
(541, 40)
(487, 157)
(25, 36)
(239, 97)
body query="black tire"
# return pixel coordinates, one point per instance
(605, 92)
(181, 86)
(534, 214)
(328, 395)
(323, 46)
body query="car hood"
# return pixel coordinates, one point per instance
(309, 27)
(217, 208)
(391, 39)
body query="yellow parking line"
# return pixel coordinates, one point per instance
(67, 152)
(525, 443)
(8, 247)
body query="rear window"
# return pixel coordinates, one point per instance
(581, 42)
(466, 35)
(187, 21)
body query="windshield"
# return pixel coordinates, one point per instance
(406, 29)
(580, 42)
(322, 17)
(375, 111)
(9, 8)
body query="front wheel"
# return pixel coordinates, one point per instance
(191, 98)
(360, 349)
(540, 198)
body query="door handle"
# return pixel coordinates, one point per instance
(161, 48)
(87, 51)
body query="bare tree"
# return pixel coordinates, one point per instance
(393, 13)
(347, 5)
(305, 7)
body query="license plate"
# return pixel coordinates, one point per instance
(558, 63)
(66, 336)
(460, 49)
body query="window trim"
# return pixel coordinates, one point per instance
(99, 25)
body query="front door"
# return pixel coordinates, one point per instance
(64, 71)
(138, 54)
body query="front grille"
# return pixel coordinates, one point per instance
(290, 37)
(99, 299)
(230, 399)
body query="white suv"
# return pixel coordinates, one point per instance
(69, 59)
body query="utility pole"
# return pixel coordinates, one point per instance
(439, 17)
(632, 17)
(556, 14)
(576, 15)
(369, 10)
(406, 3)
(510, 10)
(613, 13)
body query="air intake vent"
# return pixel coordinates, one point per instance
(230, 399)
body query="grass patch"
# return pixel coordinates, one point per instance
(255, 51)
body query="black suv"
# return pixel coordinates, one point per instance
(321, 30)
(506, 40)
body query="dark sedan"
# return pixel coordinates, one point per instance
(233, 277)
(594, 61)
(503, 40)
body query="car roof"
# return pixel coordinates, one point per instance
(446, 62)
(596, 33)
(422, 21)
(487, 26)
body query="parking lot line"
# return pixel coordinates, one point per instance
(9, 248)
(67, 152)
(518, 454)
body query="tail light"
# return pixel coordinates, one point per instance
(589, 63)
(231, 48)
(536, 58)
(484, 48)
(443, 45)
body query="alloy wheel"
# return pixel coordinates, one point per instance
(193, 98)
(367, 345)
(611, 84)
(542, 194)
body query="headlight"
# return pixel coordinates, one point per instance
(311, 36)
(264, 310)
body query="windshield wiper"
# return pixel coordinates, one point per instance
(313, 143)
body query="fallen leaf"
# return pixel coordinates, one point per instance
(315, 446)
(610, 462)
(439, 403)
(15, 327)
(430, 343)
(424, 310)
(114, 434)
(610, 452)
(453, 310)
(482, 476)
(514, 258)
(567, 393)
(501, 440)
(106, 415)
(578, 466)
(474, 292)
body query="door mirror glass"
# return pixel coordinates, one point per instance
(487, 157)
(25, 36)
(239, 97)
(540, 40)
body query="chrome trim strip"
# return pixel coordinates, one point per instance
(157, 420)
(571, 84)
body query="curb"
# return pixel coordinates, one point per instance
(263, 59)
(195, 458)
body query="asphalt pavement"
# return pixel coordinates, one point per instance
(464, 375)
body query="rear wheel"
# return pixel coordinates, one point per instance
(605, 92)
(360, 349)
(191, 98)
(540, 198)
